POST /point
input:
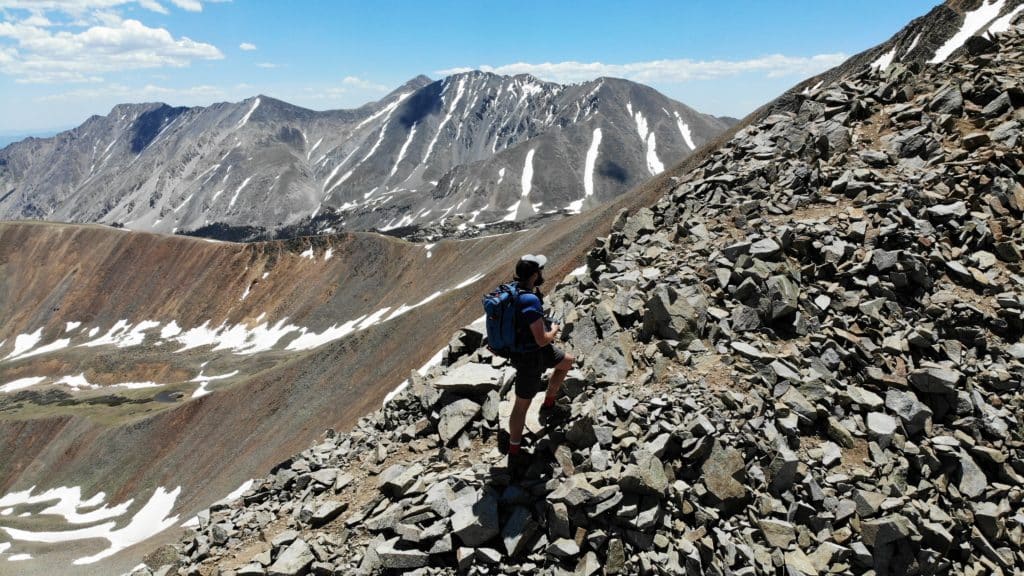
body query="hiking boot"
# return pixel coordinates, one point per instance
(556, 413)
(518, 464)
(503, 441)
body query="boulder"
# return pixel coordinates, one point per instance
(455, 416)
(675, 315)
(475, 518)
(293, 561)
(724, 474)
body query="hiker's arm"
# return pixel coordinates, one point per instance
(543, 337)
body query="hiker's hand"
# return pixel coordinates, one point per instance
(555, 327)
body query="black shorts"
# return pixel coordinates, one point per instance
(530, 366)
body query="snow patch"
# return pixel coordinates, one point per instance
(21, 383)
(1003, 24)
(653, 163)
(315, 146)
(308, 253)
(913, 44)
(448, 116)
(25, 342)
(385, 110)
(328, 254)
(501, 176)
(77, 382)
(57, 345)
(591, 161)
(973, 21)
(884, 61)
(147, 522)
(527, 180)
(237, 192)
(401, 153)
(72, 326)
(684, 129)
(248, 114)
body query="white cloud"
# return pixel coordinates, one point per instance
(667, 71)
(41, 55)
(268, 65)
(361, 84)
(189, 5)
(247, 46)
(77, 7)
(121, 92)
(154, 6)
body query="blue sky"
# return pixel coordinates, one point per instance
(63, 60)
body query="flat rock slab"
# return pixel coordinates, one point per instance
(474, 378)
(293, 561)
(390, 557)
(455, 417)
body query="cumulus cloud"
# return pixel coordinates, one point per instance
(122, 92)
(361, 84)
(665, 71)
(247, 46)
(78, 7)
(36, 54)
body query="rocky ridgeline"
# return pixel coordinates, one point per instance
(805, 359)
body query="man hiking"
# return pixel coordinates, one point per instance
(535, 335)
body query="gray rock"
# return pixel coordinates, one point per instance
(475, 518)
(914, 414)
(575, 491)
(785, 296)
(326, 512)
(647, 476)
(293, 561)
(777, 532)
(880, 531)
(674, 315)
(766, 249)
(936, 380)
(948, 100)
(957, 208)
(973, 481)
(518, 532)
(639, 223)
(397, 479)
(455, 417)
(723, 473)
(881, 427)
(868, 502)
(391, 557)
(563, 548)
(745, 319)
(615, 563)
(472, 378)
(782, 469)
(611, 360)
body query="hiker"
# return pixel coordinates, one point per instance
(535, 335)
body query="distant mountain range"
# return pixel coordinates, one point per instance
(467, 150)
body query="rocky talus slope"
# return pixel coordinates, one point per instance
(805, 359)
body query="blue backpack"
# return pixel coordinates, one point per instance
(502, 319)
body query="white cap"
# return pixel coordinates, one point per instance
(540, 259)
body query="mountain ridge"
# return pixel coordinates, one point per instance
(266, 163)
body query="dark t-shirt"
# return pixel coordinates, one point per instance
(531, 309)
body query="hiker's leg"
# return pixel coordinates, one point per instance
(557, 377)
(517, 420)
